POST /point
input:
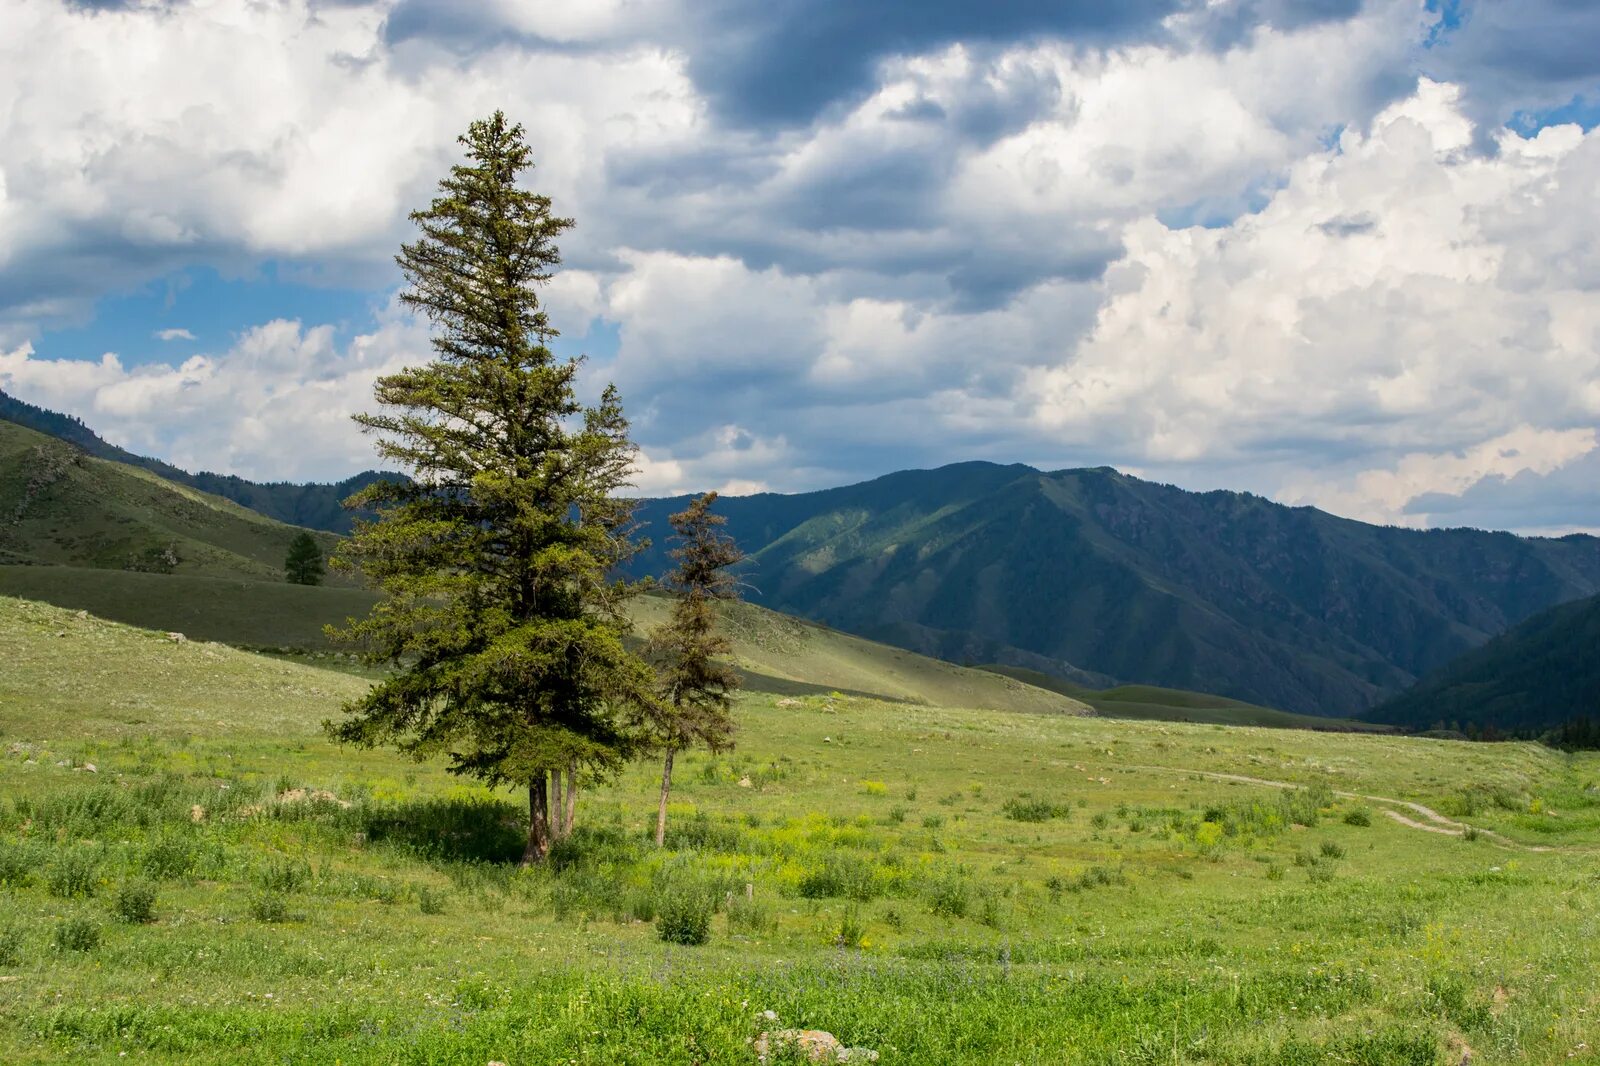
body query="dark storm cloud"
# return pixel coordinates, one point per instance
(1525, 56)
(785, 61)
(1563, 499)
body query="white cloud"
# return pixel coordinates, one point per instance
(912, 279)
(174, 335)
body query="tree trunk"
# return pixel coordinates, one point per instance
(572, 795)
(558, 823)
(538, 821)
(666, 788)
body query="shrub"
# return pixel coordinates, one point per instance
(1100, 820)
(751, 915)
(897, 815)
(1020, 809)
(1320, 874)
(933, 821)
(136, 902)
(282, 875)
(1099, 876)
(874, 788)
(1470, 833)
(72, 875)
(269, 907)
(1331, 850)
(430, 901)
(684, 917)
(169, 858)
(1274, 872)
(851, 930)
(11, 940)
(77, 934)
(949, 896)
(17, 864)
(1359, 816)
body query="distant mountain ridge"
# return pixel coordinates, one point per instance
(315, 505)
(1087, 575)
(1092, 574)
(1539, 675)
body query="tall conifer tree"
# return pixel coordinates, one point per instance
(501, 615)
(695, 687)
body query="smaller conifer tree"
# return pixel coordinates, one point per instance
(696, 687)
(303, 564)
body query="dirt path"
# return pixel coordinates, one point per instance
(1434, 821)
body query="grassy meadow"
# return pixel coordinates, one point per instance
(190, 873)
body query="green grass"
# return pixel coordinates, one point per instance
(318, 905)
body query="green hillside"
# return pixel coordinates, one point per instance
(1153, 703)
(62, 506)
(775, 653)
(1093, 575)
(1535, 677)
(314, 505)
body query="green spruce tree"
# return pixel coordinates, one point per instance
(303, 564)
(696, 687)
(500, 615)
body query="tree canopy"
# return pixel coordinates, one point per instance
(303, 565)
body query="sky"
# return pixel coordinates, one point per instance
(1343, 253)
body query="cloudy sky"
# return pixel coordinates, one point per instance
(1338, 252)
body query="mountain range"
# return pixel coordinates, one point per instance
(1538, 675)
(1092, 574)
(1089, 576)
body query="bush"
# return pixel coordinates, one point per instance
(851, 930)
(11, 940)
(1274, 872)
(136, 902)
(684, 918)
(897, 815)
(949, 896)
(72, 875)
(77, 934)
(430, 901)
(1330, 850)
(282, 875)
(17, 864)
(1320, 875)
(169, 858)
(1100, 876)
(270, 907)
(1020, 809)
(933, 821)
(751, 915)
(1359, 816)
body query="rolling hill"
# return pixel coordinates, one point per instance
(61, 506)
(1537, 676)
(1096, 577)
(315, 505)
(1153, 703)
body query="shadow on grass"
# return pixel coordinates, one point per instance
(452, 830)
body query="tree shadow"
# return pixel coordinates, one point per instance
(476, 830)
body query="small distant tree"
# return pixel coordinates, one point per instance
(501, 616)
(696, 701)
(303, 564)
